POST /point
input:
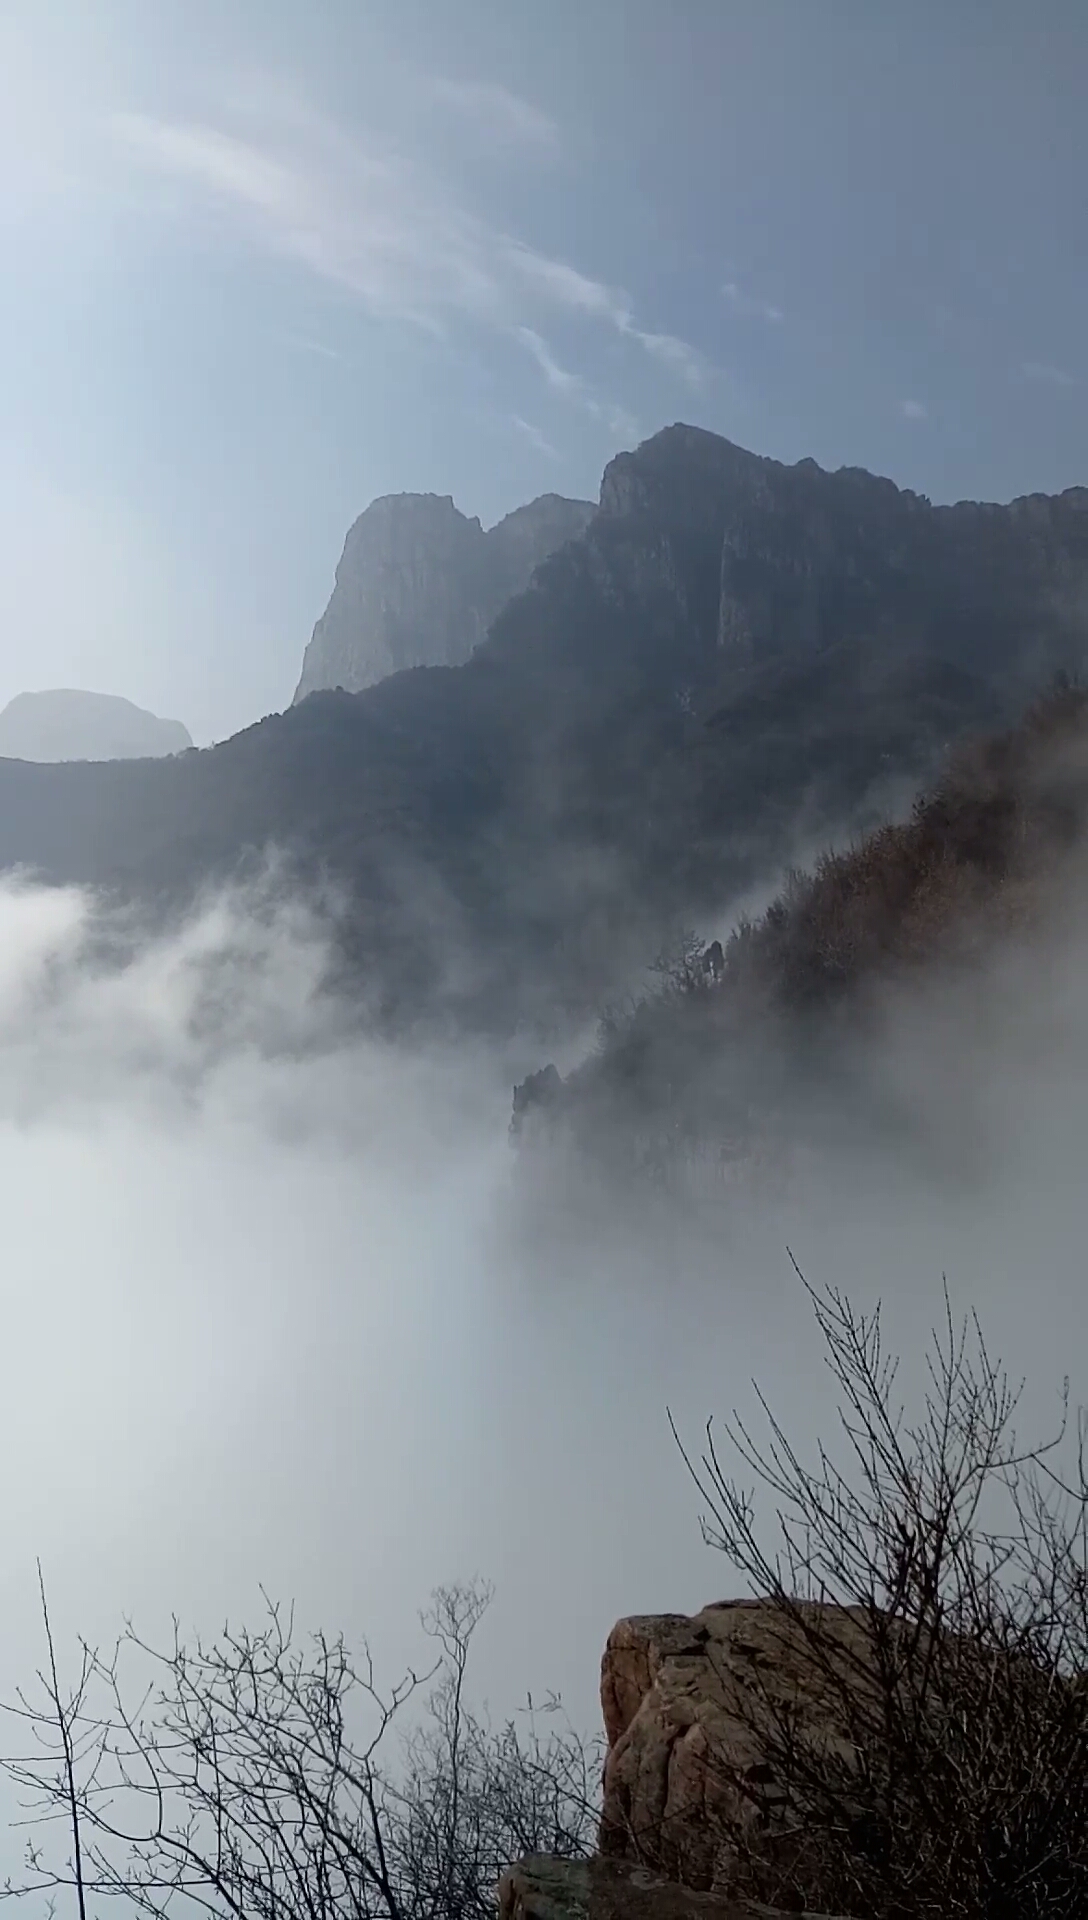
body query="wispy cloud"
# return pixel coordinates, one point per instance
(307, 343)
(353, 215)
(212, 159)
(673, 352)
(913, 410)
(749, 306)
(558, 378)
(621, 424)
(1047, 375)
(565, 287)
(496, 114)
(359, 214)
(533, 435)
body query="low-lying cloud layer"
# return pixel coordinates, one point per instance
(277, 1310)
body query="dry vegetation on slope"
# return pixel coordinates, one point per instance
(971, 861)
(739, 1042)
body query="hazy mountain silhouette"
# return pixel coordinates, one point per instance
(66, 724)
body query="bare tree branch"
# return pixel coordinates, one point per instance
(260, 1776)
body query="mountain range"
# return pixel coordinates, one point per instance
(735, 657)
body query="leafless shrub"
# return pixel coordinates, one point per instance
(948, 1774)
(679, 966)
(264, 1777)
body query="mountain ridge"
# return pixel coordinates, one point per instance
(734, 654)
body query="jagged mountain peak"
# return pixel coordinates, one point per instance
(419, 583)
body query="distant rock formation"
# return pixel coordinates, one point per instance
(419, 583)
(66, 724)
(538, 1092)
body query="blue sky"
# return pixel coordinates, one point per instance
(265, 261)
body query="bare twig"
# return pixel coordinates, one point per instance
(262, 1776)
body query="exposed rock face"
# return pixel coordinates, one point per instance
(681, 1698)
(419, 584)
(807, 559)
(680, 1754)
(64, 724)
(540, 1888)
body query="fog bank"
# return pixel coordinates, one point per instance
(280, 1310)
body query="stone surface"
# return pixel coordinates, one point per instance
(682, 1756)
(539, 1888)
(66, 724)
(419, 583)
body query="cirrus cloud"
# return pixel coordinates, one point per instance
(361, 215)
(496, 115)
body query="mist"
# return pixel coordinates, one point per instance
(265, 1319)
(284, 1309)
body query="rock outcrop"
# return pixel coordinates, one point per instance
(419, 584)
(66, 724)
(540, 1888)
(683, 1699)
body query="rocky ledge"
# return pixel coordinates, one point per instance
(540, 1888)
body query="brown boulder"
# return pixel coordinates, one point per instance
(683, 1701)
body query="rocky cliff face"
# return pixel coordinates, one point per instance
(683, 1700)
(898, 1762)
(808, 560)
(64, 724)
(677, 1697)
(419, 584)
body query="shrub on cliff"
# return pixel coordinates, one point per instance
(948, 1776)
